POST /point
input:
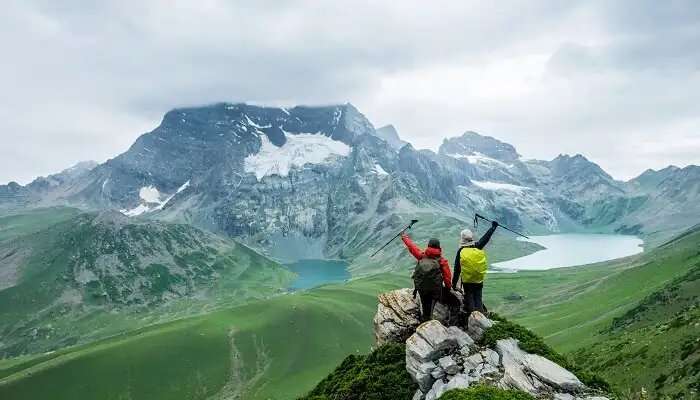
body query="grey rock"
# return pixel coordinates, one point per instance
(477, 324)
(421, 372)
(397, 316)
(419, 349)
(418, 395)
(486, 369)
(491, 357)
(438, 373)
(460, 381)
(531, 372)
(436, 335)
(552, 373)
(514, 375)
(461, 337)
(436, 390)
(473, 362)
(449, 365)
(563, 396)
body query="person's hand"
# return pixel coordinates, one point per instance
(459, 289)
(494, 224)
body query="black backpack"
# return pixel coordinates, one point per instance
(428, 275)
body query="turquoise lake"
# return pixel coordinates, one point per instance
(571, 249)
(312, 273)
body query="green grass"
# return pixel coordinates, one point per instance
(656, 344)
(485, 393)
(570, 306)
(381, 375)
(283, 347)
(280, 348)
(17, 224)
(138, 273)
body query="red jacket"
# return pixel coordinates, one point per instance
(432, 253)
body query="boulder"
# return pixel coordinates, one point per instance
(397, 316)
(552, 373)
(461, 337)
(422, 372)
(491, 357)
(436, 390)
(449, 365)
(514, 375)
(477, 324)
(436, 335)
(563, 396)
(533, 373)
(460, 381)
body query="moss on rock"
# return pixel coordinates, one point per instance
(481, 392)
(381, 375)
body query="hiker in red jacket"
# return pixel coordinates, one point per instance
(432, 277)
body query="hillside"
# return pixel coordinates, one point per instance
(656, 344)
(281, 347)
(96, 274)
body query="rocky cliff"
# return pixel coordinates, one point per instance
(440, 358)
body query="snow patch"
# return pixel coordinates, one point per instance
(488, 185)
(151, 200)
(298, 150)
(479, 158)
(254, 125)
(149, 194)
(379, 170)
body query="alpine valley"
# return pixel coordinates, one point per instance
(177, 247)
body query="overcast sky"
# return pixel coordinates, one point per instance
(616, 81)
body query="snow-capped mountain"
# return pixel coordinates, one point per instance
(303, 181)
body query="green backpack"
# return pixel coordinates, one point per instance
(428, 275)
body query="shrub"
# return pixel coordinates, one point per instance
(485, 393)
(381, 375)
(534, 344)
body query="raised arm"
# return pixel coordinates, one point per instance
(412, 248)
(487, 236)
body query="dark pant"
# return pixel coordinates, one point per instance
(472, 297)
(428, 298)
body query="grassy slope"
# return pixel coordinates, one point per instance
(17, 224)
(655, 345)
(569, 306)
(281, 348)
(49, 307)
(284, 345)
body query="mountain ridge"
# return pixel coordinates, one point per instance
(210, 166)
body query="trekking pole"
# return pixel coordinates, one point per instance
(413, 221)
(476, 219)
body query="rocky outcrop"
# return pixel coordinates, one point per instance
(441, 358)
(398, 316)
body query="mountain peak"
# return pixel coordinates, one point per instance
(389, 134)
(472, 143)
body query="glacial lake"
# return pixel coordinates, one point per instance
(312, 273)
(571, 249)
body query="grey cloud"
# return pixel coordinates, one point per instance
(85, 79)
